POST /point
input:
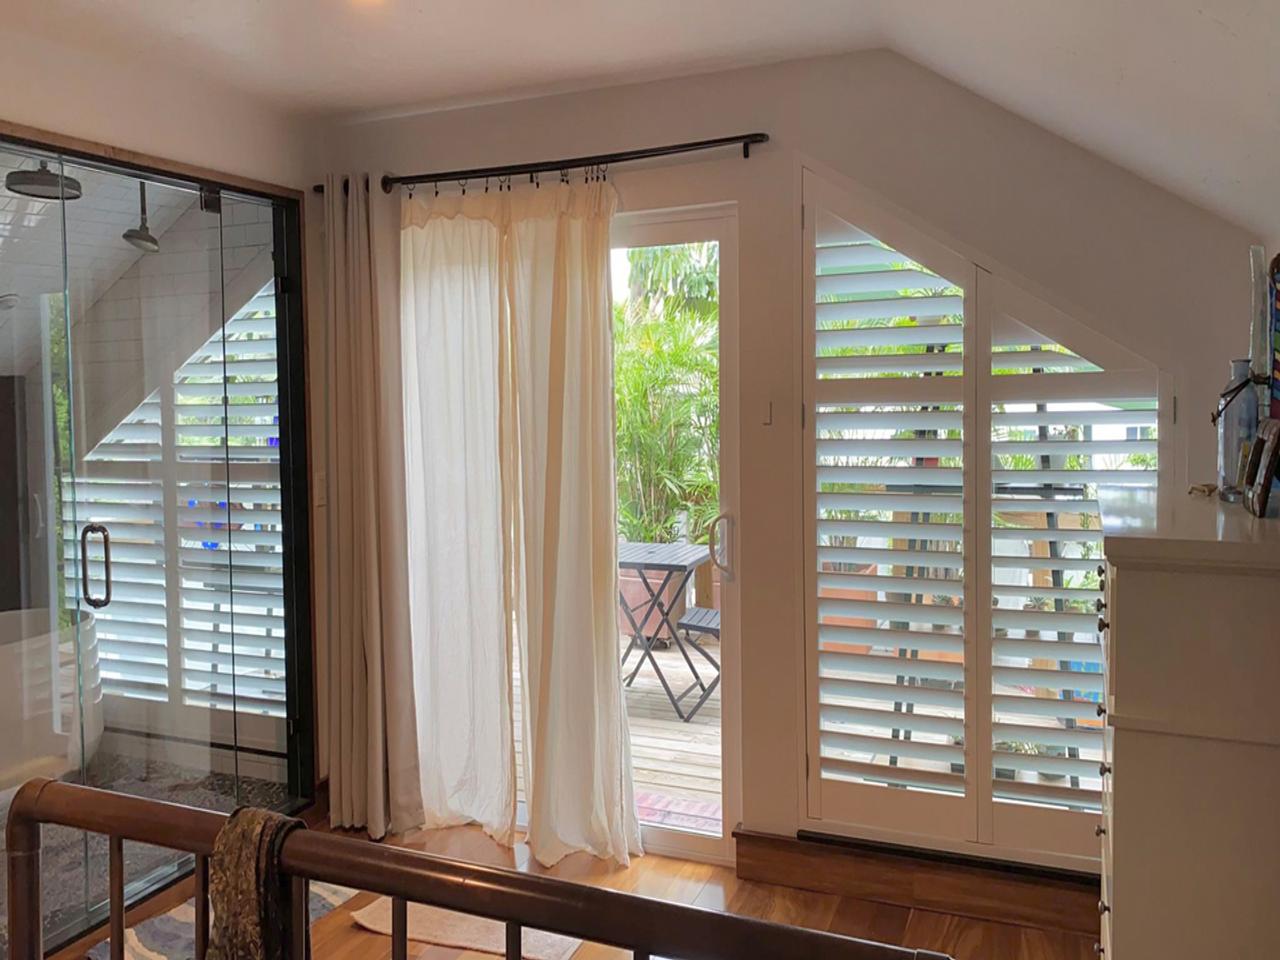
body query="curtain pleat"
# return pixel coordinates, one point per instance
(368, 701)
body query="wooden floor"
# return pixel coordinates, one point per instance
(671, 759)
(335, 937)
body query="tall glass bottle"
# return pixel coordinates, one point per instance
(1237, 427)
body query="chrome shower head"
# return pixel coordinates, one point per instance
(43, 184)
(140, 236)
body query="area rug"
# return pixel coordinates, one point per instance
(172, 935)
(681, 813)
(449, 929)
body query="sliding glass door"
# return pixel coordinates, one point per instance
(674, 279)
(145, 443)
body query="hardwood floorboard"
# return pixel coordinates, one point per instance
(881, 922)
(965, 938)
(962, 938)
(795, 908)
(337, 937)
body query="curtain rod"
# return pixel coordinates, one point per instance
(569, 163)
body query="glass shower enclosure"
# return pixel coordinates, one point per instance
(153, 628)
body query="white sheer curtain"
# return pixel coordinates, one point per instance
(509, 436)
(459, 622)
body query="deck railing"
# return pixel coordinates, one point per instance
(642, 925)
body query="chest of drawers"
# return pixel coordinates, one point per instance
(1191, 795)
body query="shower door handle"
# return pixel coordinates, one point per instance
(96, 602)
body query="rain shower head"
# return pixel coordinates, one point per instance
(8, 301)
(140, 236)
(43, 184)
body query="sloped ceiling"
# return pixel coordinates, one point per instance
(1184, 93)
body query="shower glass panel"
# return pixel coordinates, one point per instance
(150, 486)
(255, 526)
(146, 629)
(51, 696)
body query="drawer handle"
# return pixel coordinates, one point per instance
(1103, 625)
(1104, 769)
(1103, 907)
(1099, 830)
(1101, 710)
(1099, 605)
(1097, 948)
(1102, 569)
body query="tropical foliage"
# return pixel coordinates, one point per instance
(667, 389)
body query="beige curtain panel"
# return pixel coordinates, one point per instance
(365, 659)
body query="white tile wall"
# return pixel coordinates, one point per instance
(150, 319)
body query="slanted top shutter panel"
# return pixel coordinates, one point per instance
(1051, 448)
(888, 341)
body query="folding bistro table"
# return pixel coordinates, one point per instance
(676, 563)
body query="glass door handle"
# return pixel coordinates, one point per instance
(96, 602)
(714, 544)
(37, 516)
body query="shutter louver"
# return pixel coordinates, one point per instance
(226, 612)
(889, 515)
(1048, 458)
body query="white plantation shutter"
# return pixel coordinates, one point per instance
(957, 431)
(1050, 450)
(888, 348)
(217, 446)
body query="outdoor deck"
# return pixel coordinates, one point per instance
(676, 764)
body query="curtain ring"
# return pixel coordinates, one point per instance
(436, 184)
(564, 176)
(604, 172)
(486, 184)
(463, 184)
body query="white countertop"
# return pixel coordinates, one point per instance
(1136, 527)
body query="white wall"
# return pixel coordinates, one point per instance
(1158, 275)
(134, 104)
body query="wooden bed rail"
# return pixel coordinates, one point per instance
(642, 925)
